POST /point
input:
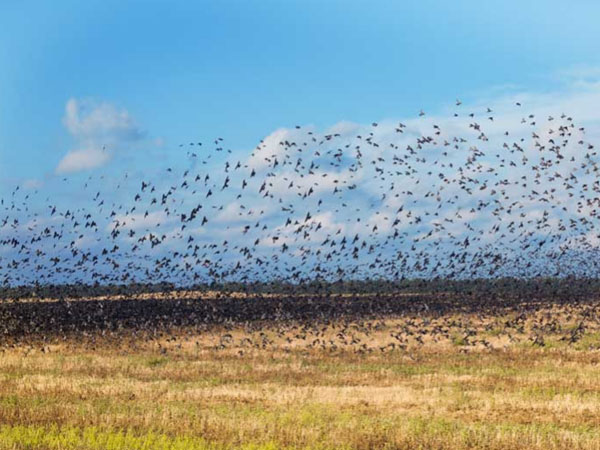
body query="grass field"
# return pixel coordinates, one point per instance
(500, 380)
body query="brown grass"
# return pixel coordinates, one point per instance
(461, 380)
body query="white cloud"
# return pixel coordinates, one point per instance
(99, 129)
(78, 160)
(141, 221)
(32, 184)
(86, 119)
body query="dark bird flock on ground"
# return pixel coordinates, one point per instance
(467, 197)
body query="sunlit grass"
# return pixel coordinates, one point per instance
(187, 391)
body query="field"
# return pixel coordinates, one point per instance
(343, 371)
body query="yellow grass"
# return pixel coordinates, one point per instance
(475, 384)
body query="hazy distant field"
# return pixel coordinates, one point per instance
(512, 376)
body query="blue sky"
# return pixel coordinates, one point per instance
(239, 69)
(97, 97)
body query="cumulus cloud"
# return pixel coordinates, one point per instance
(141, 221)
(99, 129)
(86, 159)
(32, 183)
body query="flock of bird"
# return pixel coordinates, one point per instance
(471, 195)
(360, 323)
(323, 237)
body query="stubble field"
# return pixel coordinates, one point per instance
(421, 372)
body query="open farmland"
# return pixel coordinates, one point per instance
(194, 370)
(299, 225)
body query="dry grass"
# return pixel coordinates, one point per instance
(496, 381)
